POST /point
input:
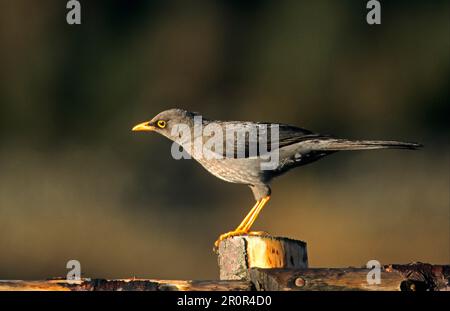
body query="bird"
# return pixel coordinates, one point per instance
(294, 146)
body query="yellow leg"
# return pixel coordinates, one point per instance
(252, 219)
(245, 225)
(239, 230)
(249, 215)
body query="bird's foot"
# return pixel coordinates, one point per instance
(258, 233)
(236, 233)
(228, 235)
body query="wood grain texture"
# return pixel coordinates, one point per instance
(265, 263)
(395, 277)
(125, 285)
(409, 277)
(236, 255)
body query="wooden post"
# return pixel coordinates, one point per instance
(236, 255)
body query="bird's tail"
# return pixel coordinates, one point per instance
(336, 144)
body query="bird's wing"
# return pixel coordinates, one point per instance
(260, 138)
(291, 134)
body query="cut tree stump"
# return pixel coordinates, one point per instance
(236, 255)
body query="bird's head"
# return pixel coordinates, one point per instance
(164, 121)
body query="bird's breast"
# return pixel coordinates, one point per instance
(244, 171)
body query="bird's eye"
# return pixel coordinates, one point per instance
(161, 124)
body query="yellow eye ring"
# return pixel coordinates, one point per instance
(161, 124)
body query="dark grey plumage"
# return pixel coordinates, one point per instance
(296, 147)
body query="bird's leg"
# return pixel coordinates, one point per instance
(239, 230)
(249, 215)
(252, 219)
(246, 224)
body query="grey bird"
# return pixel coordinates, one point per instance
(295, 147)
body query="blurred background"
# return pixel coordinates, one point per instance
(76, 183)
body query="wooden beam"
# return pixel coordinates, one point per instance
(125, 285)
(409, 277)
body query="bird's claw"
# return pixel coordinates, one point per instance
(236, 233)
(226, 236)
(258, 233)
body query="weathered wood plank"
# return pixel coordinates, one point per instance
(19, 285)
(236, 255)
(125, 285)
(321, 279)
(410, 277)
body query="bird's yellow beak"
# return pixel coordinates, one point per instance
(144, 126)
